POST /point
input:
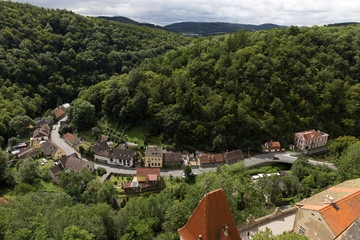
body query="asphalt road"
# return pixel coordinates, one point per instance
(249, 162)
(55, 138)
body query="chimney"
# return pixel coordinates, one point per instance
(226, 229)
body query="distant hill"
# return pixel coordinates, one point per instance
(128, 20)
(215, 28)
(341, 24)
(199, 28)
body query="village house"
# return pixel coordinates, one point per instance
(210, 159)
(41, 122)
(117, 156)
(145, 179)
(71, 162)
(50, 149)
(40, 134)
(71, 139)
(153, 156)
(233, 156)
(272, 147)
(27, 152)
(100, 147)
(172, 159)
(59, 113)
(212, 219)
(310, 139)
(327, 214)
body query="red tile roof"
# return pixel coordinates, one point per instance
(147, 171)
(348, 212)
(211, 219)
(59, 113)
(341, 206)
(310, 134)
(153, 177)
(70, 137)
(3, 200)
(213, 158)
(273, 145)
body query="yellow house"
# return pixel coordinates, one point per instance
(153, 156)
(58, 153)
(50, 149)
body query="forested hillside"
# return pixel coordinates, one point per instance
(242, 89)
(216, 28)
(50, 54)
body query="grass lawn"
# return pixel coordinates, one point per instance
(86, 145)
(86, 135)
(49, 186)
(269, 169)
(137, 135)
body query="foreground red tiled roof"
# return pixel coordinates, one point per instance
(59, 113)
(147, 171)
(273, 145)
(211, 219)
(341, 210)
(349, 211)
(3, 200)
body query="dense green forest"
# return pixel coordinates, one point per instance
(50, 54)
(242, 89)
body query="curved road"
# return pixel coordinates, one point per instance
(249, 162)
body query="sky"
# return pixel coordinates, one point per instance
(164, 12)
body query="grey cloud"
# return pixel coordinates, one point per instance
(162, 12)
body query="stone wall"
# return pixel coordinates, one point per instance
(252, 222)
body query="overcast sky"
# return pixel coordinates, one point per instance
(163, 12)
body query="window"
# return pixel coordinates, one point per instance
(302, 230)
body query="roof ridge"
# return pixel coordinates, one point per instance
(340, 200)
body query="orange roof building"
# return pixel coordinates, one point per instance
(272, 146)
(327, 214)
(310, 139)
(71, 139)
(59, 113)
(211, 159)
(211, 220)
